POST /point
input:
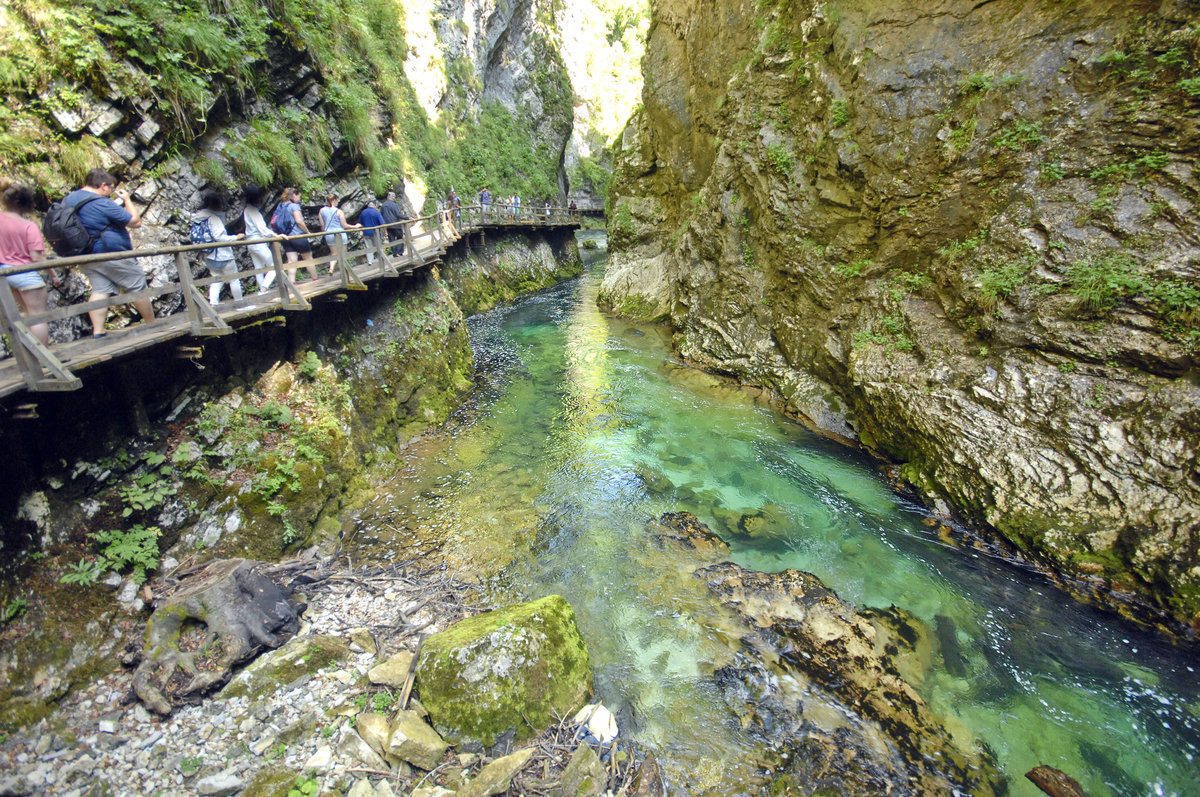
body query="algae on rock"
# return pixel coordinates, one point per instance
(505, 674)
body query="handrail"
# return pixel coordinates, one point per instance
(41, 369)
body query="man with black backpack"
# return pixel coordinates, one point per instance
(108, 223)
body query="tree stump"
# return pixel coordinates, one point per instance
(1055, 782)
(219, 618)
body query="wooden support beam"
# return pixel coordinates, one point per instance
(350, 280)
(290, 297)
(30, 353)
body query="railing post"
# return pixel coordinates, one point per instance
(290, 297)
(189, 289)
(198, 307)
(385, 260)
(409, 247)
(11, 316)
(350, 278)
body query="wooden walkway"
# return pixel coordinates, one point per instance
(32, 366)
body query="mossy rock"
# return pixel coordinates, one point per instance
(272, 781)
(511, 670)
(300, 656)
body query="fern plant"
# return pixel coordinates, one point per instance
(136, 547)
(83, 572)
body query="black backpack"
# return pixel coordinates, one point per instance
(63, 229)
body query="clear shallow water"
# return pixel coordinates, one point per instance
(586, 427)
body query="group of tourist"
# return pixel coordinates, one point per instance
(506, 206)
(107, 213)
(107, 222)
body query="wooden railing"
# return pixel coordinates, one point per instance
(44, 368)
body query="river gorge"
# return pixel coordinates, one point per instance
(585, 428)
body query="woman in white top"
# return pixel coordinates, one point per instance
(256, 227)
(333, 222)
(220, 260)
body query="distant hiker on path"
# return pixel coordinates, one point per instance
(370, 217)
(333, 222)
(220, 261)
(109, 222)
(485, 200)
(256, 227)
(391, 214)
(289, 220)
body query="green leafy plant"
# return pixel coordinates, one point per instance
(1051, 171)
(382, 701)
(136, 547)
(310, 366)
(839, 113)
(888, 332)
(190, 765)
(13, 609)
(852, 269)
(781, 158)
(304, 787)
(1098, 282)
(147, 492)
(275, 413)
(83, 573)
(1020, 135)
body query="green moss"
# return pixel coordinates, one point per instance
(640, 308)
(300, 656)
(553, 681)
(274, 780)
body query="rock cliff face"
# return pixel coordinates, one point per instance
(962, 234)
(332, 96)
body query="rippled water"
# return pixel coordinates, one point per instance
(585, 427)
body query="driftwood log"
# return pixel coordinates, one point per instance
(217, 618)
(1055, 782)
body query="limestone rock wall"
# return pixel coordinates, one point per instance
(961, 234)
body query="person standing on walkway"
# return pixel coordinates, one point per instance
(456, 203)
(21, 243)
(333, 223)
(256, 227)
(220, 261)
(109, 223)
(370, 217)
(289, 220)
(516, 201)
(391, 214)
(485, 201)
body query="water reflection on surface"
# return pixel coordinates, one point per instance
(584, 428)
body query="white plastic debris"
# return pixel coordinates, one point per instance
(599, 721)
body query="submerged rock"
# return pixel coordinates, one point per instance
(797, 625)
(500, 672)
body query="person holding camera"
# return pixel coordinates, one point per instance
(108, 222)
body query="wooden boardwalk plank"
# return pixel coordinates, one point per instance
(423, 248)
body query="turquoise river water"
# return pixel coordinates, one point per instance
(585, 427)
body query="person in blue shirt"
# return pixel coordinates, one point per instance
(368, 218)
(109, 222)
